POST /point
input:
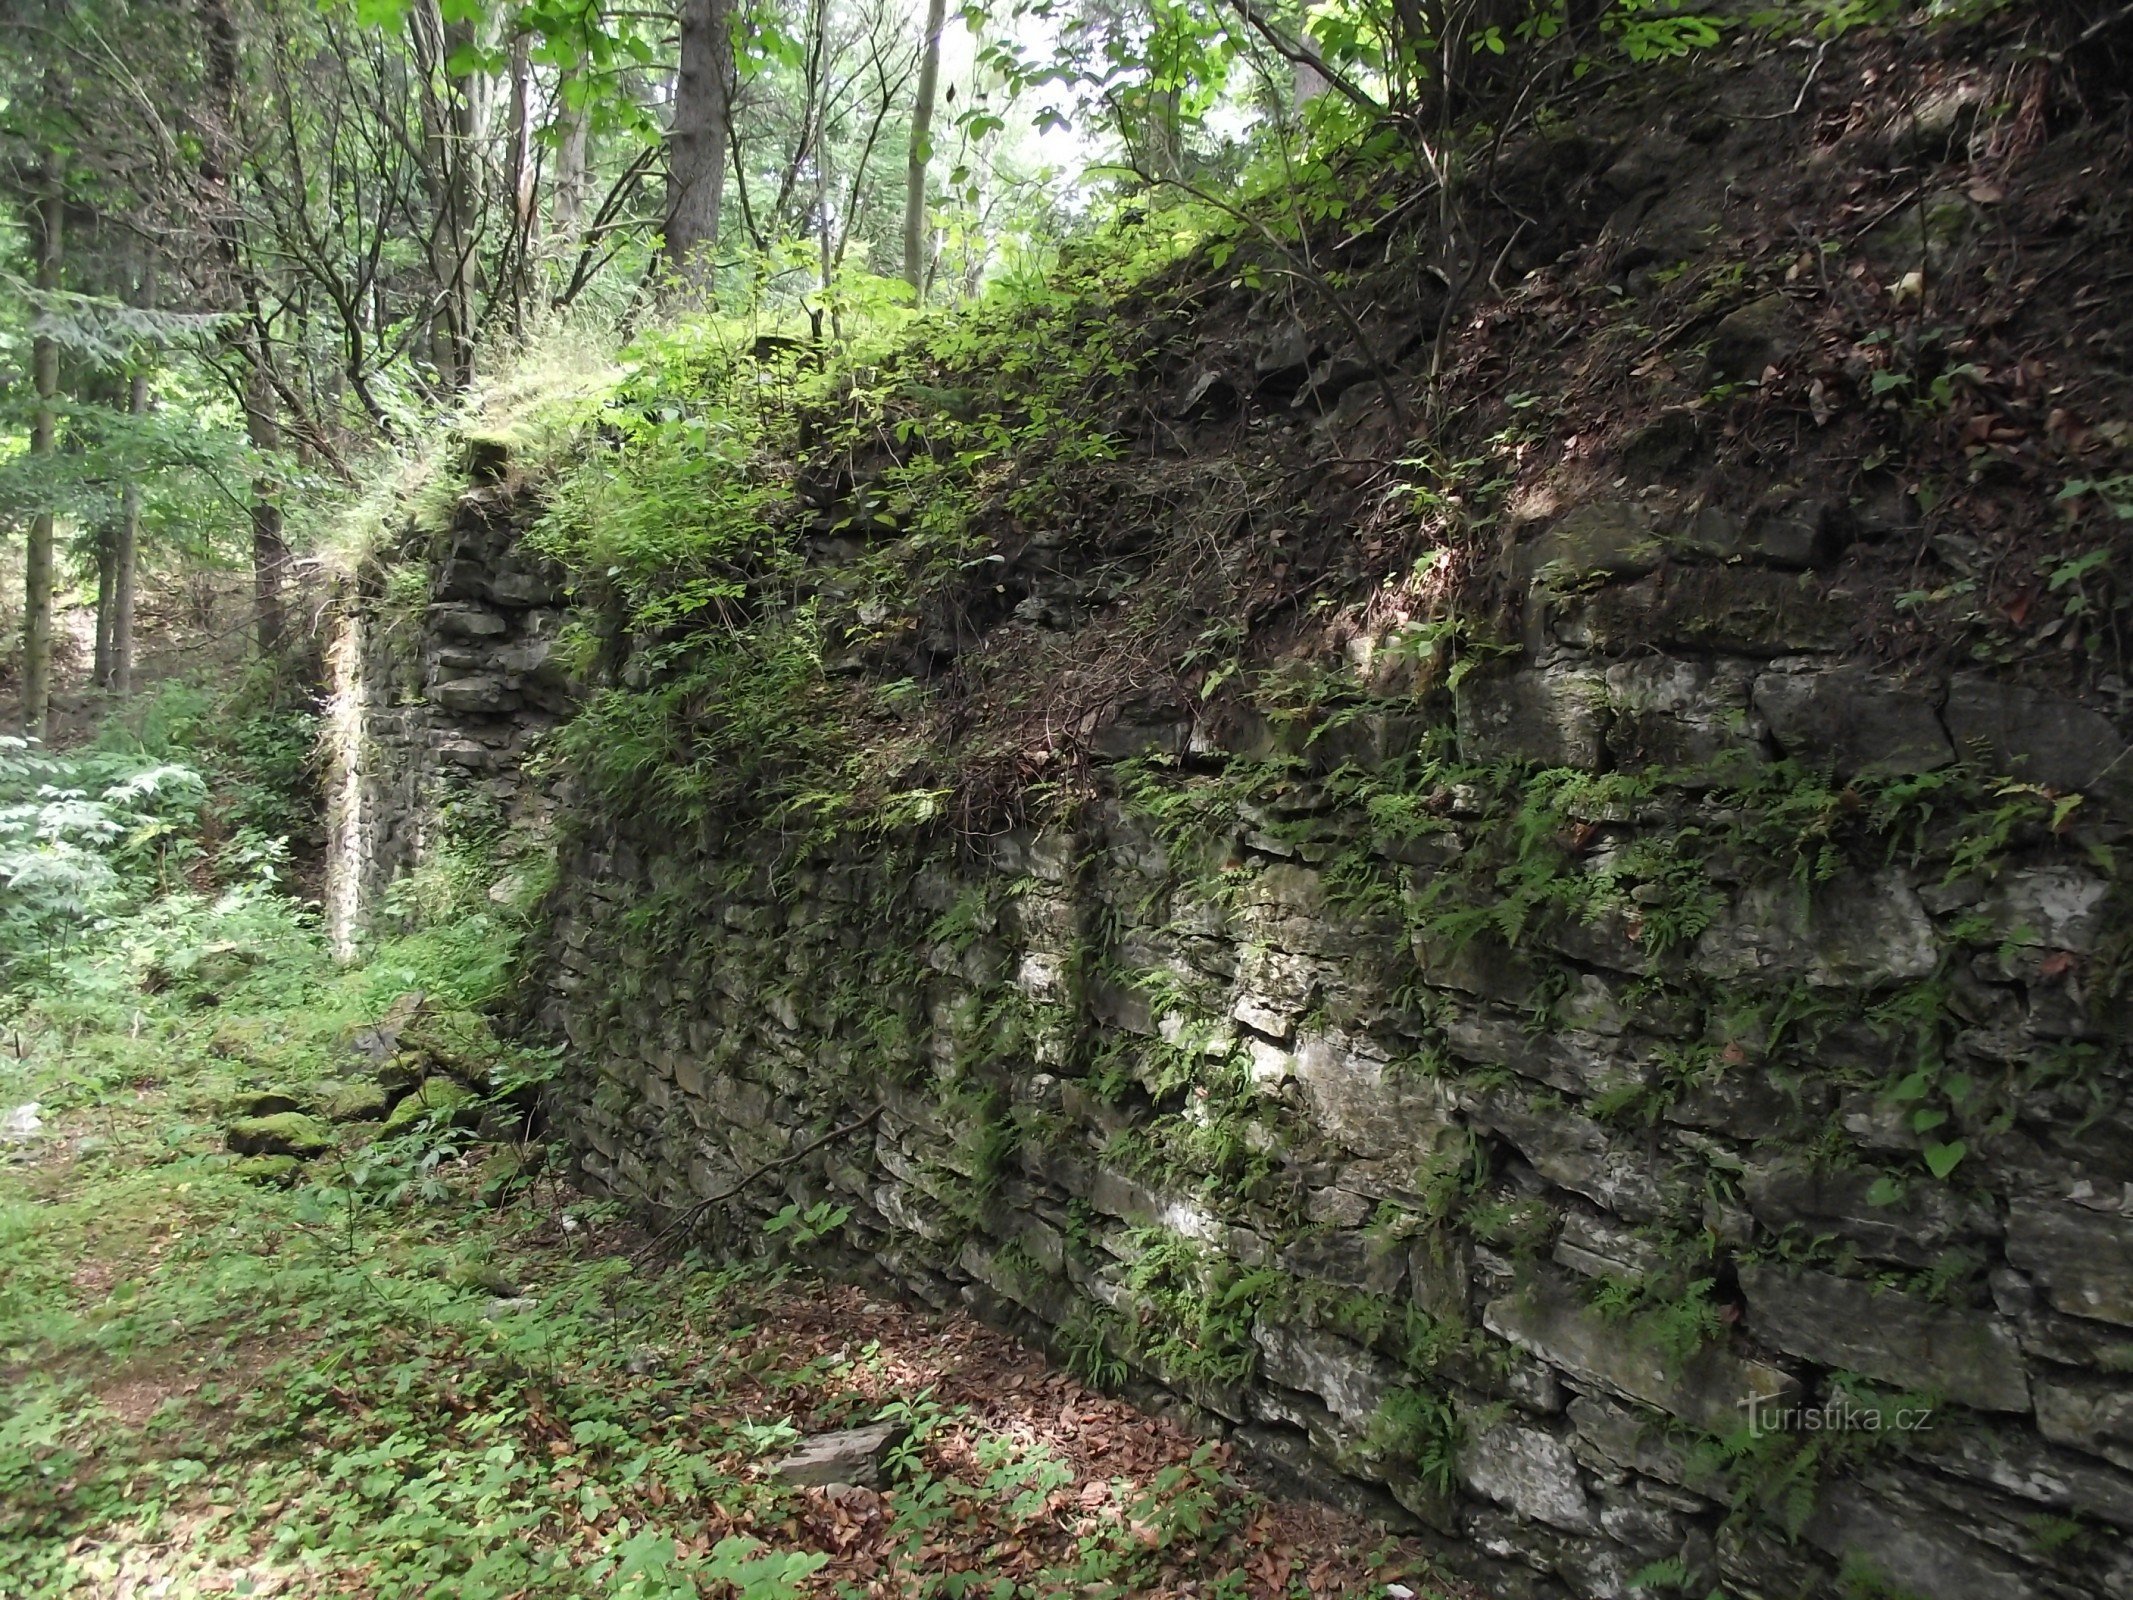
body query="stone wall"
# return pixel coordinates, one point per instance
(1723, 1174)
(441, 657)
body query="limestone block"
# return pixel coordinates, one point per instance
(1971, 1357)
(1349, 1258)
(1918, 1226)
(1274, 989)
(858, 1457)
(1749, 611)
(1600, 1247)
(2055, 907)
(1679, 713)
(2044, 738)
(1439, 1273)
(1525, 1469)
(1615, 1439)
(1853, 718)
(1575, 1151)
(1863, 930)
(1572, 1060)
(1599, 538)
(1712, 1389)
(1550, 717)
(2089, 1413)
(1918, 1552)
(2083, 1258)
(481, 693)
(1367, 1104)
(1353, 1382)
(2016, 1462)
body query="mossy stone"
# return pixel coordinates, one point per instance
(276, 1171)
(437, 1096)
(285, 1133)
(260, 1103)
(364, 1100)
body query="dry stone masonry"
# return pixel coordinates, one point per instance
(1653, 1112)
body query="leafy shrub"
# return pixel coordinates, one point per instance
(84, 836)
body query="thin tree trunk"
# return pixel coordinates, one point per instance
(44, 431)
(125, 554)
(696, 145)
(449, 128)
(270, 553)
(929, 78)
(567, 212)
(100, 667)
(517, 254)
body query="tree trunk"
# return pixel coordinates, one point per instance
(696, 145)
(567, 211)
(518, 251)
(44, 430)
(125, 553)
(929, 78)
(450, 128)
(270, 554)
(100, 668)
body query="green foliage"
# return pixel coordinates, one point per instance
(84, 836)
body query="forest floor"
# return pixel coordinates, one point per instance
(380, 1376)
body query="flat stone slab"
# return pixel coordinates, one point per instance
(858, 1457)
(1711, 1389)
(2083, 1258)
(1972, 1358)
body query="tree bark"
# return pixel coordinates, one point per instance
(270, 553)
(126, 547)
(44, 431)
(929, 78)
(696, 145)
(100, 669)
(567, 212)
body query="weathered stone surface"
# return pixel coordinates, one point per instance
(1574, 1151)
(1571, 1060)
(2019, 1464)
(1366, 1102)
(2083, 1258)
(2056, 907)
(1548, 717)
(1749, 611)
(1918, 1226)
(1596, 538)
(2042, 737)
(1867, 931)
(1919, 1554)
(856, 1457)
(1349, 1258)
(1599, 1247)
(1673, 713)
(283, 1133)
(1352, 1381)
(1750, 338)
(2089, 1413)
(1529, 1470)
(1711, 1389)
(362, 1101)
(1854, 718)
(481, 691)
(1969, 1356)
